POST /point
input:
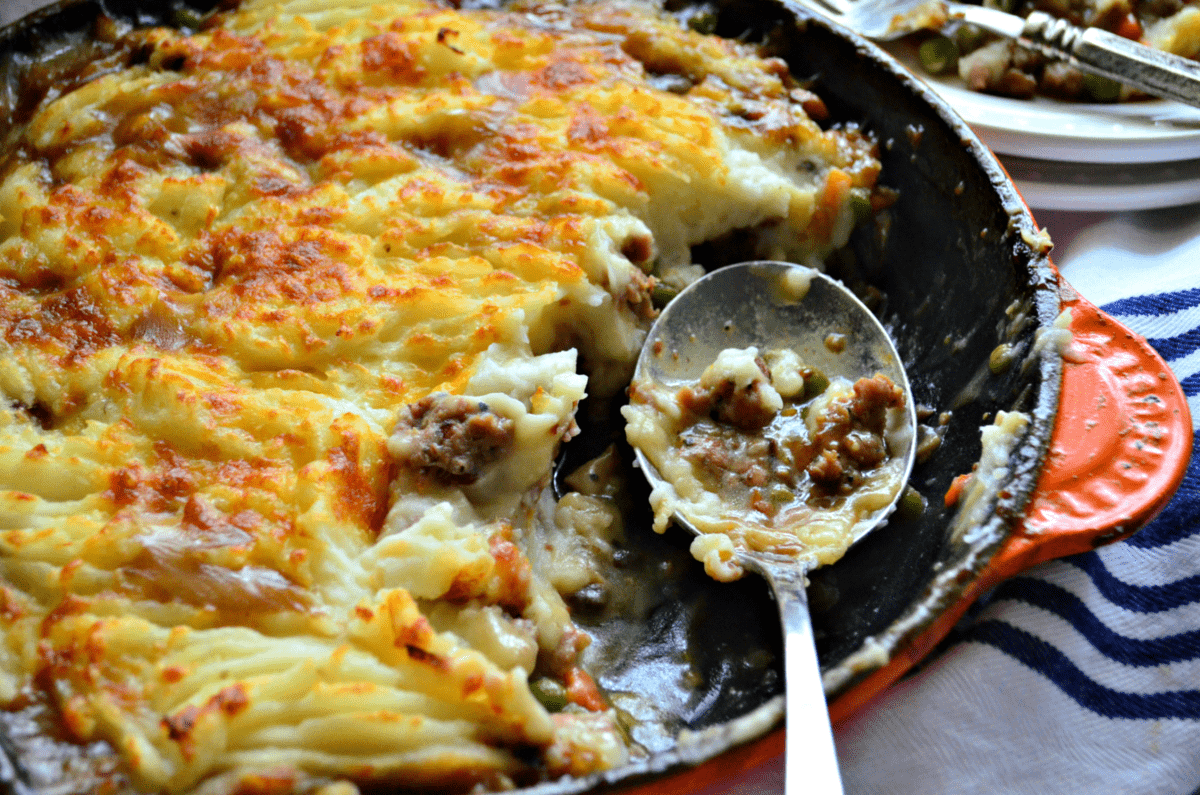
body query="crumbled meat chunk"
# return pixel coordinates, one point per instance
(872, 399)
(826, 468)
(450, 438)
(996, 68)
(732, 452)
(637, 295)
(638, 249)
(867, 450)
(1061, 80)
(850, 435)
(744, 408)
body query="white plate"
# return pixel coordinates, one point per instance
(1057, 185)
(1132, 132)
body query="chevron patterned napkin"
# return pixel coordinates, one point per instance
(1082, 675)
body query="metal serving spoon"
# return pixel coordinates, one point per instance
(750, 304)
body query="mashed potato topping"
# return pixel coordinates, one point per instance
(294, 315)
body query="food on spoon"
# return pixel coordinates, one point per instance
(766, 454)
(994, 65)
(295, 313)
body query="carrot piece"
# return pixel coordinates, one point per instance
(954, 493)
(837, 188)
(1129, 28)
(582, 690)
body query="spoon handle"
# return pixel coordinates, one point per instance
(811, 761)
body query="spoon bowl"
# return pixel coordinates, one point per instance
(776, 305)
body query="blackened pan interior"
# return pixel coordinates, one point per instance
(954, 261)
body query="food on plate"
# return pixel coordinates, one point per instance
(766, 454)
(295, 313)
(999, 66)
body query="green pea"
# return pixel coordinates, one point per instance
(1100, 88)
(704, 22)
(780, 494)
(187, 18)
(550, 693)
(969, 38)
(815, 384)
(662, 294)
(861, 207)
(911, 504)
(938, 54)
(1001, 358)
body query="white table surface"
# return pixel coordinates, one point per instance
(15, 9)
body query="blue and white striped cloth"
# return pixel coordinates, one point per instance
(1082, 675)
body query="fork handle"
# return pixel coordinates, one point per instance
(1155, 72)
(1100, 52)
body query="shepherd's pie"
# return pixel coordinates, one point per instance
(295, 313)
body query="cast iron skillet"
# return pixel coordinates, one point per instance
(956, 269)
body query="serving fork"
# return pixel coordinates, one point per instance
(1091, 50)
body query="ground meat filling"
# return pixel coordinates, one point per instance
(809, 453)
(744, 407)
(849, 439)
(450, 438)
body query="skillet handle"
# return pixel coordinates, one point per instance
(1120, 446)
(1121, 443)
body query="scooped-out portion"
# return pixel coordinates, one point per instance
(767, 454)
